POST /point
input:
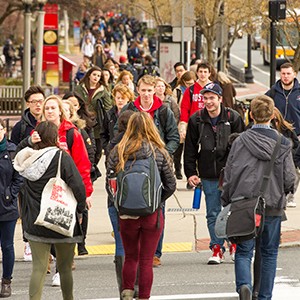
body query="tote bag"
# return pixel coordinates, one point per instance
(58, 206)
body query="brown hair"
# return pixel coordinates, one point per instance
(280, 123)
(48, 133)
(124, 73)
(140, 128)
(86, 78)
(168, 90)
(286, 66)
(124, 90)
(262, 108)
(2, 123)
(188, 75)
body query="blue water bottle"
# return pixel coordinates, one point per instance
(197, 196)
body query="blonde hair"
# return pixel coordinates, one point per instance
(124, 90)
(168, 90)
(140, 128)
(124, 73)
(60, 107)
(223, 78)
(74, 118)
(147, 79)
(262, 108)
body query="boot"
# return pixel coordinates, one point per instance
(127, 295)
(119, 261)
(5, 288)
(245, 293)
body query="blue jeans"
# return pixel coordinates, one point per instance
(7, 233)
(269, 244)
(213, 207)
(158, 252)
(114, 219)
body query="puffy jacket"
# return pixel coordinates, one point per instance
(208, 162)
(10, 184)
(102, 95)
(32, 193)
(249, 156)
(164, 164)
(289, 106)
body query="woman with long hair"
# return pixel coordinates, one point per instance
(10, 184)
(125, 77)
(140, 235)
(229, 91)
(92, 89)
(37, 165)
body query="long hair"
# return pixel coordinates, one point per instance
(187, 76)
(86, 78)
(140, 128)
(60, 107)
(280, 123)
(48, 133)
(168, 90)
(83, 111)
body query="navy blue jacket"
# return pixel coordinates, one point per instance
(10, 184)
(290, 106)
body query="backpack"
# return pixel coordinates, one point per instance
(139, 188)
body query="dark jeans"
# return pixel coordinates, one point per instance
(177, 157)
(269, 244)
(140, 238)
(7, 233)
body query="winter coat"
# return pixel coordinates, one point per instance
(208, 162)
(24, 127)
(248, 158)
(37, 167)
(10, 184)
(228, 94)
(78, 152)
(101, 94)
(288, 106)
(163, 119)
(164, 164)
(171, 103)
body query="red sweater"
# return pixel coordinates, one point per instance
(187, 107)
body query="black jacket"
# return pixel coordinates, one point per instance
(23, 128)
(10, 184)
(207, 159)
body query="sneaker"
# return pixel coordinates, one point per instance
(232, 250)
(56, 279)
(156, 262)
(291, 203)
(178, 174)
(217, 256)
(27, 252)
(81, 249)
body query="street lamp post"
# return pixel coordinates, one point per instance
(248, 70)
(27, 45)
(39, 45)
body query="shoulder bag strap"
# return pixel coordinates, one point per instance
(269, 167)
(59, 164)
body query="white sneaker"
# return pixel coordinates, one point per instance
(291, 203)
(56, 279)
(27, 252)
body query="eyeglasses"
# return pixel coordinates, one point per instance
(36, 101)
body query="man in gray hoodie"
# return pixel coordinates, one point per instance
(249, 156)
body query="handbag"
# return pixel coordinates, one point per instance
(243, 218)
(58, 206)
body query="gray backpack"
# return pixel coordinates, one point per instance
(139, 188)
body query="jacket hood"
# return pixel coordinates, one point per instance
(260, 146)
(157, 103)
(28, 117)
(32, 164)
(278, 86)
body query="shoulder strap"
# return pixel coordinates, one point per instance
(178, 94)
(162, 116)
(191, 92)
(269, 167)
(70, 138)
(200, 127)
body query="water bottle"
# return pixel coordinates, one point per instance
(112, 182)
(197, 196)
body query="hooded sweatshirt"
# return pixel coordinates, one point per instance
(249, 156)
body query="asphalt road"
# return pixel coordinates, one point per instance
(181, 275)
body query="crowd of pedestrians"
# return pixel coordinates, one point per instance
(127, 112)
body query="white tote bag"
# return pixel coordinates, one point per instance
(58, 206)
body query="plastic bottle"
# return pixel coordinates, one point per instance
(197, 196)
(112, 182)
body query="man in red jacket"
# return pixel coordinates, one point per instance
(192, 100)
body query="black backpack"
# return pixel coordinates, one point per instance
(139, 188)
